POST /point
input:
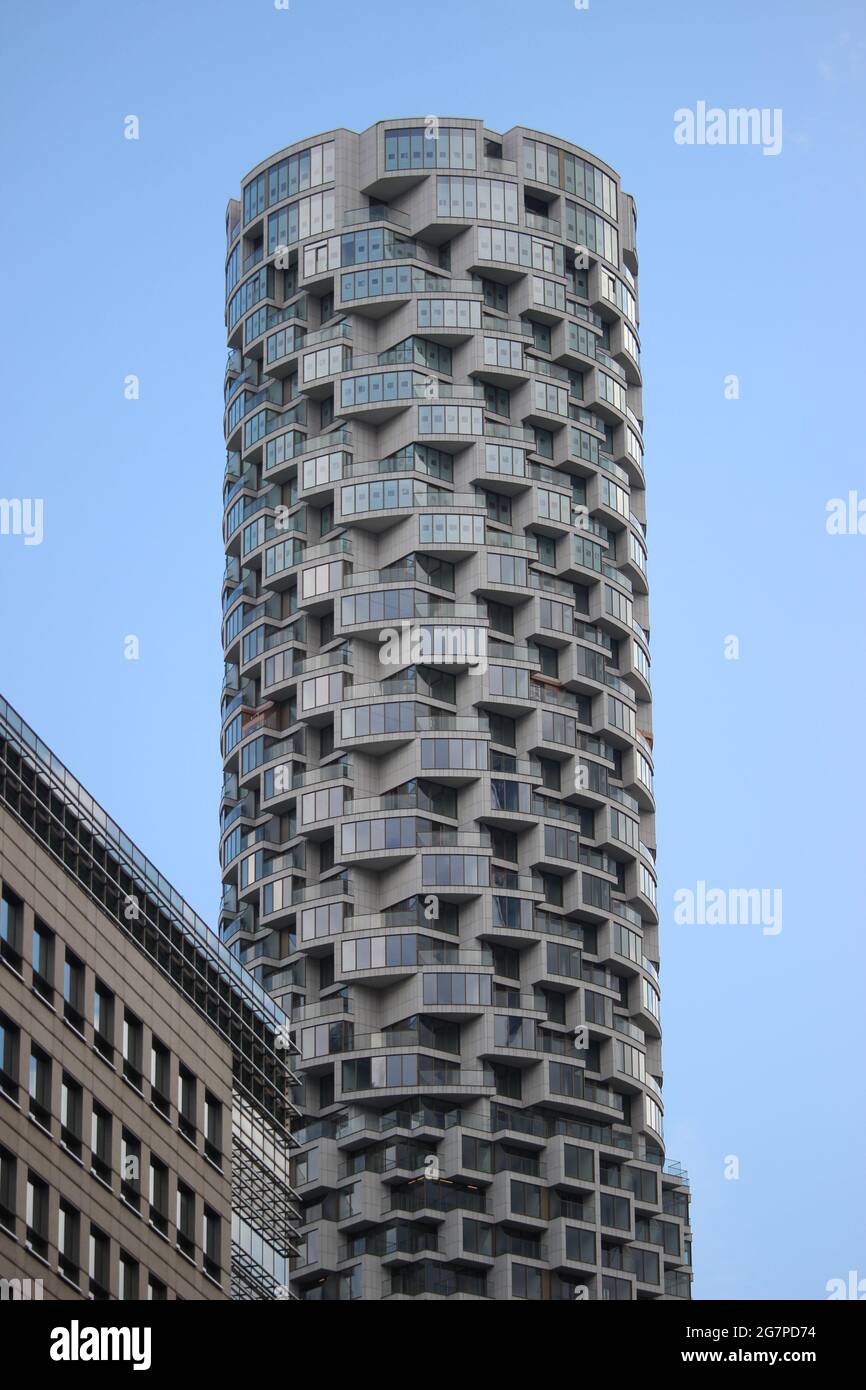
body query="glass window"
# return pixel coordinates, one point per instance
(99, 1264)
(43, 961)
(211, 1242)
(71, 1114)
(103, 1020)
(159, 1195)
(160, 1076)
(9, 1057)
(101, 1142)
(69, 1241)
(430, 147)
(11, 927)
(133, 1045)
(37, 1214)
(525, 1281)
(8, 1189)
(40, 1086)
(127, 1277)
(186, 1103)
(615, 1211)
(213, 1120)
(186, 1219)
(73, 990)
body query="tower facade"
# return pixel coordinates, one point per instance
(438, 824)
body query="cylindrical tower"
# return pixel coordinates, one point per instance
(438, 825)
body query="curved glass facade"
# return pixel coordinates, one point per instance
(438, 824)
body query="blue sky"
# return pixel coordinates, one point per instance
(113, 264)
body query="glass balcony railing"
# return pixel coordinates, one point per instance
(579, 311)
(549, 585)
(311, 445)
(396, 801)
(502, 1119)
(396, 575)
(244, 808)
(609, 363)
(316, 775)
(327, 334)
(611, 572)
(341, 545)
(617, 794)
(443, 837)
(628, 914)
(551, 925)
(503, 539)
(542, 368)
(376, 212)
(431, 497)
(496, 325)
(329, 888)
(445, 391)
(247, 479)
(606, 462)
(676, 1170)
(399, 463)
(505, 651)
(323, 1008)
(294, 632)
(243, 697)
(538, 223)
(519, 432)
(398, 1038)
(498, 166)
(548, 695)
(630, 1030)
(432, 608)
(341, 657)
(432, 722)
(516, 882)
(548, 808)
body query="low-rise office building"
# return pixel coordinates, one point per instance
(144, 1075)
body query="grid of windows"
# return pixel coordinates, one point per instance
(547, 164)
(431, 147)
(468, 197)
(519, 248)
(304, 170)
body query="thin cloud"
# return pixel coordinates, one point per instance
(845, 58)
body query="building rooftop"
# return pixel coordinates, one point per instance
(41, 792)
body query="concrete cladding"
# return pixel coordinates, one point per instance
(437, 824)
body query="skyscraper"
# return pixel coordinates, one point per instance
(438, 824)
